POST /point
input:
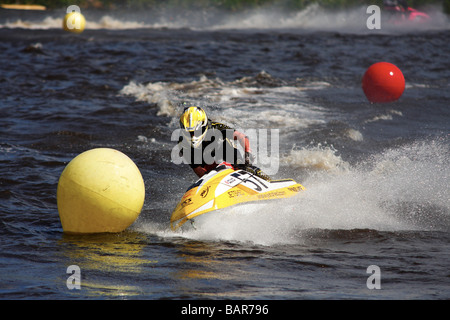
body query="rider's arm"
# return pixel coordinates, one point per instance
(237, 135)
(243, 140)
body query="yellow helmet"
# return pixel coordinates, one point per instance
(194, 123)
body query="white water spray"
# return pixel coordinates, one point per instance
(401, 189)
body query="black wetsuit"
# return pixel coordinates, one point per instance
(218, 146)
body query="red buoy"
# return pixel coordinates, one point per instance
(383, 82)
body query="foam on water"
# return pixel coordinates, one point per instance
(51, 22)
(313, 17)
(285, 105)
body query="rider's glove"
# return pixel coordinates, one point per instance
(249, 158)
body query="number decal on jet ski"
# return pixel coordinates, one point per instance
(255, 182)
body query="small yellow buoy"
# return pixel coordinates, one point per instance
(74, 22)
(100, 190)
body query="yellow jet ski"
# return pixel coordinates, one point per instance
(226, 187)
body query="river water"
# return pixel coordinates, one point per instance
(376, 175)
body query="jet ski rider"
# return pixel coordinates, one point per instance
(202, 134)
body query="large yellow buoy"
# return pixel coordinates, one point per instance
(74, 22)
(100, 190)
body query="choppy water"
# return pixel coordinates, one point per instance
(377, 175)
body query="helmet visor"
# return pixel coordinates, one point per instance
(195, 137)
